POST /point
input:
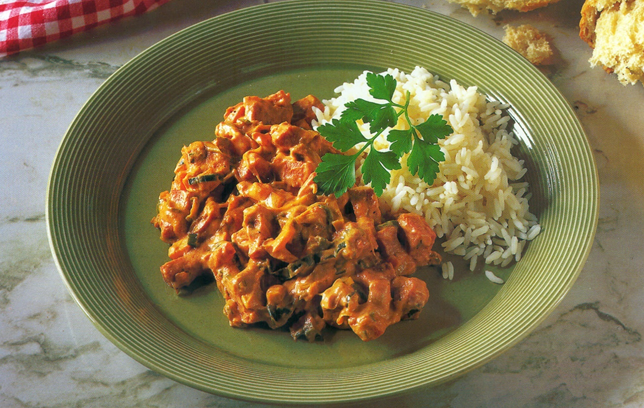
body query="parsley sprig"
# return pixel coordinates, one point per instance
(336, 172)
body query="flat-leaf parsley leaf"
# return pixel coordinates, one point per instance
(336, 172)
(377, 167)
(343, 135)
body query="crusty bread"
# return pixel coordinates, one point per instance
(477, 6)
(529, 42)
(615, 31)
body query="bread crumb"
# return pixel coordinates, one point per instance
(494, 6)
(529, 42)
(613, 28)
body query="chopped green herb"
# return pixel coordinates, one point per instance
(391, 223)
(192, 240)
(276, 313)
(299, 267)
(340, 247)
(336, 172)
(204, 178)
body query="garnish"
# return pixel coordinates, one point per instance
(204, 178)
(336, 172)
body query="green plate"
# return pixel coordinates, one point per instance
(120, 151)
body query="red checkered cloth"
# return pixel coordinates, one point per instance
(28, 24)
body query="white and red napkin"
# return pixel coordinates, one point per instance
(28, 24)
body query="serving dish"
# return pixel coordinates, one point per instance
(120, 150)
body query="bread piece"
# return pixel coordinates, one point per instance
(529, 42)
(615, 31)
(477, 6)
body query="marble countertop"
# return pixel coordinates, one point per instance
(587, 353)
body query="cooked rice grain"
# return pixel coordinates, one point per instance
(477, 203)
(493, 278)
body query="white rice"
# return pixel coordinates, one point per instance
(447, 270)
(493, 278)
(477, 204)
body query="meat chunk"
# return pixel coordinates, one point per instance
(279, 305)
(308, 327)
(341, 301)
(298, 154)
(202, 168)
(365, 203)
(292, 171)
(393, 251)
(258, 225)
(357, 240)
(245, 296)
(419, 239)
(182, 271)
(303, 113)
(172, 213)
(409, 296)
(233, 218)
(255, 166)
(207, 221)
(237, 142)
(273, 109)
